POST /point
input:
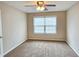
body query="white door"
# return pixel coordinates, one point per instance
(1, 45)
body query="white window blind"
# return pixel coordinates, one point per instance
(45, 24)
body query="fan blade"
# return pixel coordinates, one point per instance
(51, 5)
(30, 5)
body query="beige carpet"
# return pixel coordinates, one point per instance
(42, 49)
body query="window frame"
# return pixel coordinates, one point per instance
(44, 25)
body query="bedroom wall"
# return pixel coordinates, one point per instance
(73, 27)
(14, 27)
(61, 26)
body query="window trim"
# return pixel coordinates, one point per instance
(44, 25)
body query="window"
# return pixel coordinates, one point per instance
(44, 24)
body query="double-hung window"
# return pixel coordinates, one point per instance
(44, 24)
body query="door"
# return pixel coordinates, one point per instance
(1, 45)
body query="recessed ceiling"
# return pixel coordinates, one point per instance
(60, 5)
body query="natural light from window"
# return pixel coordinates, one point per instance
(44, 25)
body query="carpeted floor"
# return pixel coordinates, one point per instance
(42, 49)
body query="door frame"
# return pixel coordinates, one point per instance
(1, 39)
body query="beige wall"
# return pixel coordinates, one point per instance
(14, 27)
(73, 27)
(61, 24)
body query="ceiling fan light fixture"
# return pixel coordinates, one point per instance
(40, 8)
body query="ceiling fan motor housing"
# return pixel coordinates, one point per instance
(40, 3)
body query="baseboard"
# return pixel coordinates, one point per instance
(13, 47)
(73, 48)
(46, 39)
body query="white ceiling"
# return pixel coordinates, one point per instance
(60, 5)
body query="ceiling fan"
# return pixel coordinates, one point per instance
(41, 6)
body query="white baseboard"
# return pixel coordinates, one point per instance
(77, 52)
(13, 47)
(61, 39)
